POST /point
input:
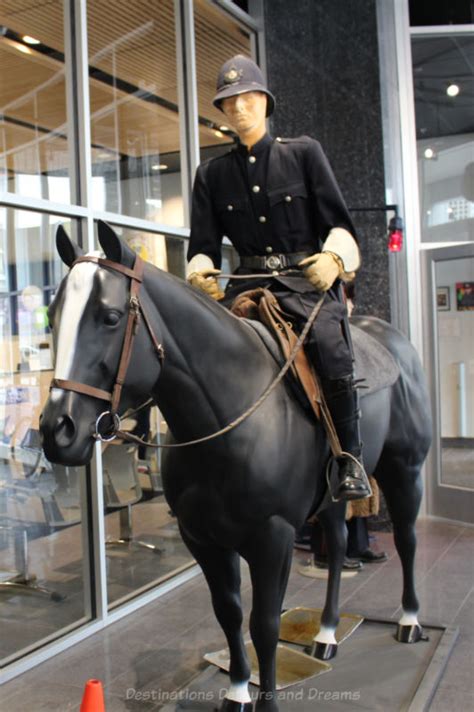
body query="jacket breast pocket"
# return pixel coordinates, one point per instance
(289, 207)
(232, 215)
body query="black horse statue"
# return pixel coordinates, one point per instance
(245, 493)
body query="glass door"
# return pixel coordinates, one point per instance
(449, 356)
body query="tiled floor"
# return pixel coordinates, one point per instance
(160, 647)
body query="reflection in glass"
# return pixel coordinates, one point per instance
(444, 103)
(34, 136)
(218, 38)
(455, 316)
(44, 572)
(134, 110)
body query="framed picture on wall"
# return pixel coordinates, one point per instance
(465, 296)
(442, 299)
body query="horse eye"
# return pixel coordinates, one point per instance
(111, 318)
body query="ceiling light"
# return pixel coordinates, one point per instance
(429, 153)
(219, 134)
(452, 90)
(224, 128)
(159, 167)
(20, 47)
(30, 40)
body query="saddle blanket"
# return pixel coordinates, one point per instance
(375, 366)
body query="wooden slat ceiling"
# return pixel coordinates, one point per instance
(132, 41)
(217, 38)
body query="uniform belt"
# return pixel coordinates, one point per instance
(274, 261)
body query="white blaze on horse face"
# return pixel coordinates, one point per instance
(238, 692)
(78, 290)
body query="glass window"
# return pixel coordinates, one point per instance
(444, 103)
(134, 110)
(44, 569)
(218, 38)
(35, 158)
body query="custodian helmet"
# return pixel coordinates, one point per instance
(239, 75)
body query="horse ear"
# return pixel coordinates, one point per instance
(114, 248)
(68, 250)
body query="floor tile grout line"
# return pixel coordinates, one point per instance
(453, 618)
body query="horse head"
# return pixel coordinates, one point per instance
(90, 317)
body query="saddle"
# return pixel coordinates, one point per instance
(260, 305)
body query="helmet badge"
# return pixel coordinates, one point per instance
(233, 75)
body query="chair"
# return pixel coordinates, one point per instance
(29, 477)
(22, 580)
(122, 490)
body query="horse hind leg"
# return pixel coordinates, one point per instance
(402, 488)
(333, 522)
(268, 552)
(221, 567)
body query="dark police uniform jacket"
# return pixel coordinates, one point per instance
(280, 197)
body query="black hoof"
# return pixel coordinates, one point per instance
(409, 633)
(324, 651)
(233, 706)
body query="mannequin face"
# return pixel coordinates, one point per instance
(246, 114)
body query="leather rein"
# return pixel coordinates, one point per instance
(113, 397)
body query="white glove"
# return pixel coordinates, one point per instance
(206, 281)
(322, 269)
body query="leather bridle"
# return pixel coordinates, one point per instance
(133, 320)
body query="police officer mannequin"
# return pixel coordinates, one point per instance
(279, 204)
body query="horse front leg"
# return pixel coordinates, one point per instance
(268, 552)
(335, 531)
(221, 567)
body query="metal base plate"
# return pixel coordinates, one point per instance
(292, 666)
(301, 625)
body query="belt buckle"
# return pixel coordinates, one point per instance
(273, 262)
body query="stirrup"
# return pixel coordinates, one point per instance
(363, 475)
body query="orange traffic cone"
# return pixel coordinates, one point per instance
(93, 700)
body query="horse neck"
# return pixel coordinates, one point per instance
(214, 365)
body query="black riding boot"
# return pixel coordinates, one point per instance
(343, 403)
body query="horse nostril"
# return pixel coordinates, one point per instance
(65, 430)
